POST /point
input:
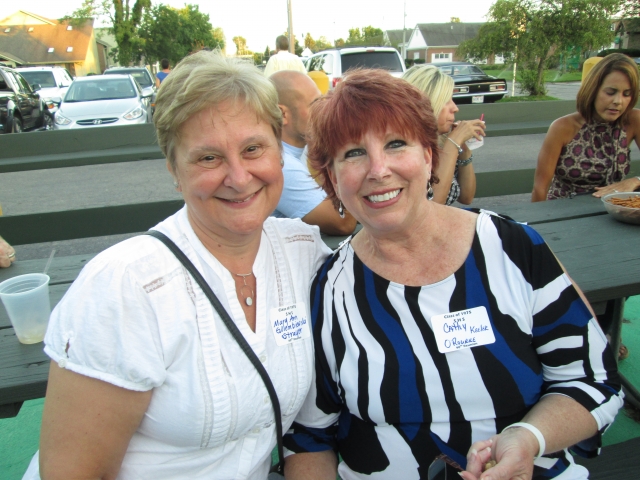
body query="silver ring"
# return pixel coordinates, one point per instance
(615, 190)
(11, 255)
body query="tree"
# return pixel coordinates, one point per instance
(241, 45)
(365, 36)
(322, 44)
(339, 43)
(530, 32)
(267, 53)
(125, 20)
(309, 42)
(167, 32)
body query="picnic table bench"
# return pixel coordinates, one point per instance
(601, 255)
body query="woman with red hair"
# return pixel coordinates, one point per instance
(443, 337)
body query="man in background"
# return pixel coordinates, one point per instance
(301, 195)
(283, 60)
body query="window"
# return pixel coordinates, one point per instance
(51, 49)
(440, 57)
(7, 30)
(30, 29)
(69, 27)
(416, 55)
(69, 49)
(23, 85)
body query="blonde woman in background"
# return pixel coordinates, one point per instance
(455, 170)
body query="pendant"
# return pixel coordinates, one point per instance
(249, 301)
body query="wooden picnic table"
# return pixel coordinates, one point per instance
(600, 254)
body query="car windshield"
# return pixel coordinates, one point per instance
(141, 76)
(384, 60)
(103, 89)
(45, 79)
(454, 70)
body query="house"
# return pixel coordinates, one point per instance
(437, 42)
(394, 38)
(627, 33)
(27, 39)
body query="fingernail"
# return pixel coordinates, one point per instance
(460, 473)
(473, 451)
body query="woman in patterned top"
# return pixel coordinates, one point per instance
(588, 151)
(455, 170)
(437, 330)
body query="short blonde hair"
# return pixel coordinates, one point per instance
(615, 62)
(203, 80)
(430, 80)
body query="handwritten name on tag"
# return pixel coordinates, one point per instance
(289, 323)
(464, 329)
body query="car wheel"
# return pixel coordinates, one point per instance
(16, 125)
(47, 122)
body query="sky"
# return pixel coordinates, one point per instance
(261, 21)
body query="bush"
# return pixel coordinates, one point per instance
(529, 83)
(630, 52)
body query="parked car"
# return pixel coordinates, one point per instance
(101, 100)
(51, 82)
(472, 85)
(21, 108)
(141, 75)
(336, 62)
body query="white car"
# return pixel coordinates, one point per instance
(102, 100)
(51, 83)
(335, 62)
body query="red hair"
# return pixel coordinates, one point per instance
(368, 100)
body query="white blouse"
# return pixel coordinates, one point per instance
(136, 319)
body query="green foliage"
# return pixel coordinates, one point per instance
(167, 32)
(241, 46)
(530, 32)
(339, 43)
(322, 44)
(309, 42)
(365, 36)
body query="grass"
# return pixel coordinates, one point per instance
(549, 75)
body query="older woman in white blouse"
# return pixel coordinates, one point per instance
(146, 381)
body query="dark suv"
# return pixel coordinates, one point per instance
(21, 107)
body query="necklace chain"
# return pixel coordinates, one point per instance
(248, 299)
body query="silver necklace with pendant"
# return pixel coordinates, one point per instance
(249, 298)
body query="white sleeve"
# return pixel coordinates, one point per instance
(106, 328)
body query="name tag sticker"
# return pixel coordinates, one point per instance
(289, 323)
(464, 329)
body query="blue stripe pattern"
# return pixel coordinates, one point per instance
(535, 237)
(577, 315)
(529, 383)
(408, 389)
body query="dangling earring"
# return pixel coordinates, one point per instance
(429, 190)
(341, 210)
(176, 184)
(282, 161)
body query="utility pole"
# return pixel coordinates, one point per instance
(404, 41)
(292, 47)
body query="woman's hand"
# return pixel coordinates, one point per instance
(466, 129)
(628, 185)
(7, 254)
(514, 450)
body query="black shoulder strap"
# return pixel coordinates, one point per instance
(233, 329)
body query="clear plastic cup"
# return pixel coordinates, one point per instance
(473, 143)
(26, 298)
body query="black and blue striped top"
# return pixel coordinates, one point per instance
(389, 402)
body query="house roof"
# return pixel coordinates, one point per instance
(395, 36)
(630, 25)
(448, 34)
(31, 43)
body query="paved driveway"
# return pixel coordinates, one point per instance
(563, 91)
